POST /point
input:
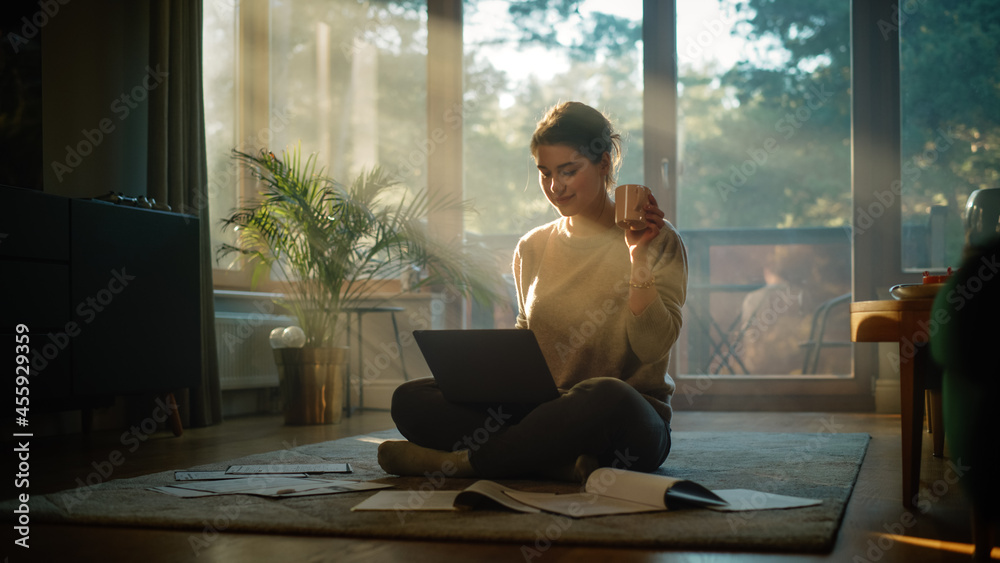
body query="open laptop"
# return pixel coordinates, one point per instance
(487, 365)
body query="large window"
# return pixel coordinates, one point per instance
(219, 39)
(764, 186)
(950, 102)
(343, 80)
(349, 80)
(777, 134)
(522, 58)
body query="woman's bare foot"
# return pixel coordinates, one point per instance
(400, 457)
(584, 466)
(577, 472)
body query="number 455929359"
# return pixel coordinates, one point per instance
(21, 373)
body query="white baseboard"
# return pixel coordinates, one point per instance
(378, 394)
(887, 383)
(887, 396)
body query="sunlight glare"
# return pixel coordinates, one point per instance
(953, 547)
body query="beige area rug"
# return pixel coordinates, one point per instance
(820, 465)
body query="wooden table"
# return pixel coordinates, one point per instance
(906, 322)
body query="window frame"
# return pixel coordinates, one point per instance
(875, 160)
(252, 117)
(875, 167)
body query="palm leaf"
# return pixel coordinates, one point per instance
(331, 243)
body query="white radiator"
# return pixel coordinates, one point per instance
(245, 358)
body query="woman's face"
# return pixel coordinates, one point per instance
(573, 184)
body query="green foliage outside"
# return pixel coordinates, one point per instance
(950, 89)
(765, 143)
(332, 244)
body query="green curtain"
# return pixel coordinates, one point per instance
(177, 166)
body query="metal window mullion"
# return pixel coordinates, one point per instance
(253, 82)
(875, 162)
(659, 102)
(444, 103)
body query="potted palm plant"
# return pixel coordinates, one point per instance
(334, 246)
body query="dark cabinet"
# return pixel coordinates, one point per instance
(109, 293)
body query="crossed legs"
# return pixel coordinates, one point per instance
(599, 422)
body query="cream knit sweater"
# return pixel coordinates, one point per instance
(573, 291)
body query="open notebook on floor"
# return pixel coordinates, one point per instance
(608, 491)
(487, 365)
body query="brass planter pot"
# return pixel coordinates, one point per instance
(312, 384)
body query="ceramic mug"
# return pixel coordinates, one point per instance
(630, 203)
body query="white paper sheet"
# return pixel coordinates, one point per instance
(741, 500)
(336, 487)
(183, 493)
(290, 468)
(410, 500)
(581, 505)
(275, 487)
(216, 475)
(252, 484)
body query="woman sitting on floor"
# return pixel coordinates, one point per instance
(606, 309)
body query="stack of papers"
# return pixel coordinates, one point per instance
(275, 481)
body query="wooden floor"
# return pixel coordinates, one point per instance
(937, 531)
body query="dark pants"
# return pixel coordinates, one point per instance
(602, 417)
